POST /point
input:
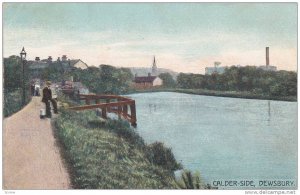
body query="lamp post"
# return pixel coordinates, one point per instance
(23, 61)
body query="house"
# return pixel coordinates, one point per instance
(147, 81)
(74, 88)
(78, 64)
(215, 70)
(69, 64)
(64, 62)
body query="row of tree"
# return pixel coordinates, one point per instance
(14, 79)
(105, 79)
(13, 74)
(249, 78)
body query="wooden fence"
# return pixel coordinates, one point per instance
(109, 104)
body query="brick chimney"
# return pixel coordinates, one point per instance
(267, 57)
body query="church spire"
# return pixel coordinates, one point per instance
(154, 67)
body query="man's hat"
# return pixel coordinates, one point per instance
(48, 83)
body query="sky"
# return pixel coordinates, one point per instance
(184, 37)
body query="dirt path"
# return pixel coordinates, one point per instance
(31, 159)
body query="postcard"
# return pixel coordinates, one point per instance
(150, 96)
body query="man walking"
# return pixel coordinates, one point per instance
(32, 86)
(37, 89)
(47, 98)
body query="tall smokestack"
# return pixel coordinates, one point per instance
(267, 56)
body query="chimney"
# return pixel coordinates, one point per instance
(64, 58)
(58, 59)
(49, 59)
(267, 56)
(149, 74)
(37, 59)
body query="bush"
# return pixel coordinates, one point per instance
(160, 155)
(191, 181)
(13, 102)
(122, 129)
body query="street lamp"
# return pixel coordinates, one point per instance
(23, 60)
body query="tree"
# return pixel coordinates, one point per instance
(105, 79)
(12, 73)
(167, 79)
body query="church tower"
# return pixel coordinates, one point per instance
(154, 68)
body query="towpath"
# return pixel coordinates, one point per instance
(31, 158)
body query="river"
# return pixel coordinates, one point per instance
(225, 139)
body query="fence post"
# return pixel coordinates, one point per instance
(119, 110)
(133, 114)
(87, 101)
(104, 115)
(125, 110)
(108, 108)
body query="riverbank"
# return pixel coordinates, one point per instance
(231, 94)
(111, 155)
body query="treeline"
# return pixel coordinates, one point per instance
(13, 83)
(248, 79)
(104, 79)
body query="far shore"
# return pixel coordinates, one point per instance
(231, 94)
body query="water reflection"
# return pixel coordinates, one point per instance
(269, 112)
(152, 108)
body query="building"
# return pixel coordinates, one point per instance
(147, 81)
(268, 68)
(78, 64)
(150, 80)
(38, 64)
(216, 69)
(221, 69)
(68, 64)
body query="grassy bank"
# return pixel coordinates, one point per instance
(232, 94)
(111, 155)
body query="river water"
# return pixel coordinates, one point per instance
(225, 139)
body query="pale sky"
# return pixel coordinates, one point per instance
(184, 37)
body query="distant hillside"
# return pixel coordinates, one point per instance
(143, 71)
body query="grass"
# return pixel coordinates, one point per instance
(232, 94)
(111, 155)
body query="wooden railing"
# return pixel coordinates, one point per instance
(109, 104)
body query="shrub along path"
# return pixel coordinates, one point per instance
(31, 159)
